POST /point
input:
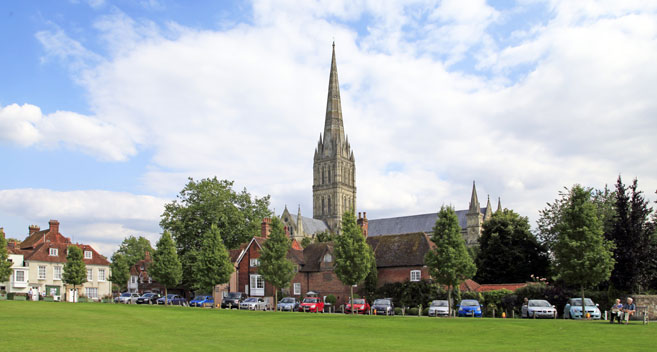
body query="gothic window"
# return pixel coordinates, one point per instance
(329, 204)
(323, 176)
(323, 206)
(329, 174)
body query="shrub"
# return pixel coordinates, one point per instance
(398, 311)
(409, 294)
(412, 311)
(331, 299)
(425, 311)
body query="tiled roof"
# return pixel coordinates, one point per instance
(410, 224)
(492, 287)
(469, 285)
(400, 250)
(296, 256)
(310, 225)
(312, 255)
(42, 253)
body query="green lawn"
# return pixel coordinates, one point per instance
(40, 326)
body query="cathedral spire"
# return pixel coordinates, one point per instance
(333, 127)
(489, 210)
(499, 204)
(299, 222)
(474, 201)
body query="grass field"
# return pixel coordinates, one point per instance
(39, 326)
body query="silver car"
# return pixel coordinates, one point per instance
(539, 308)
(439, 308)
(128, 298)
(253, 303)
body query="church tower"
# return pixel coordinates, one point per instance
(474, 219)
(334, 167)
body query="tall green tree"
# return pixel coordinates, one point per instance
(120, 270)
(275, 268)
(449, 262)
(213, 265)
(203, 203)
(371, 281)
(508, 251)
(5, 264)
(134, 249)
(353, 256)
(75, 271)
(166, 268)
(583, 257)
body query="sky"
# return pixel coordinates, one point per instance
(107, 107)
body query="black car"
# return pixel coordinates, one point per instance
(233, 300)
(383, 306)
(148, 298)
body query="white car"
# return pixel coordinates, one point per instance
(253, 303)
(128, 298)
(539, 308)
(439, 308)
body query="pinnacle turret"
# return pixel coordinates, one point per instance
(499, 204)
(489, 210)
(474, 201)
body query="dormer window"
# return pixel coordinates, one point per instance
(328, 258)
(87, 255)
(53, 252)
(254, 262)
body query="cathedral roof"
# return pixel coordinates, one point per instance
(310, 225)
(409, 224)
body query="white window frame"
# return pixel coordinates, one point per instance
(416, 275)
(133, 279)
(257, 285)
(328, 258)
(254, 262)
(297, 289)
(101, 274)
(42, 272)
(90, 274)
(53, 252)
(56, 272)
(88, 255)
(16, 276)
(91, 292)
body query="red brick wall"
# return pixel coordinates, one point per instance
(400, 274)
(243, 271)
(324, 282)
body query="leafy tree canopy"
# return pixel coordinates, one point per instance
(5, 264)
(134, 249)
(75, 271)
(120, 270)
(275, 268)
(166, 268)
(213, 265)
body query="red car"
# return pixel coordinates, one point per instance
(312, 304)
(360, 306)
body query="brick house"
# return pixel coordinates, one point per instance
(140, 281)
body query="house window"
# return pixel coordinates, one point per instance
(53, 252)
(90, 274)
(42, 272)
(297, 288)
(101, 274)
(134, 279)
(328, 258)
(257, 285)
(91, 292)
(255, 262)
(87, 255)
(57, 272)
(20, 276)
(415, 275)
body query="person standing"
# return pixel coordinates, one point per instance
(629, 309)
(616, 312)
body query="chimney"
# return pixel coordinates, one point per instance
(33, 228)
(265, 227)
(147, 256)
(362, 223)
(54, 226)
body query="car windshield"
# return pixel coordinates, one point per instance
(199, 298)
(310, 300)
(469, 303)
(578, 302)
(252, 299)
(359, 301)
(147, 294)
(170, 296)
(382, 302)
(125, 294)
(287, 300)
(539, 303)
(439, 304)
(233, 295)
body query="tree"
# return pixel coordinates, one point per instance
(306, 241)
(632, 233)
(134, 249)
(449, 262)
(275, 268)
(213, 265)
(353, 257)
(206, 202)
(120, 270)
(324, 236)
(5, 264)
(583, 257)
(166, 268)
(75, 271)
(371, 281)
(508, 251)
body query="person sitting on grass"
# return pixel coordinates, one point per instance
(616, 312)
(628, 309)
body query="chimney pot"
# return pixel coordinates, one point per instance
(54, 226)
(265, 227)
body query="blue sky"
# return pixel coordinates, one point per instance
(106, 107)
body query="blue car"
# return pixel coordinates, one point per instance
(469, 308)
(172, 300)
(200, 301)
(573, 309)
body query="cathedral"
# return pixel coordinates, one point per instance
(334, 188)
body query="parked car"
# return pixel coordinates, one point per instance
(360, 306)
(573, 309)
(469, 308)
(128, 298)
(253, 303)
(172, 299)
(312, 304)
(383, 306)
(439, 308)
(538, 308)
(233, 300)
(289, 304)
(200, 301)
(148, 298)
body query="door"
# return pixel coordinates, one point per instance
(257, 285)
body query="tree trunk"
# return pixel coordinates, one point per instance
(351, 287)
(166, 297)
(583, 304)
(275, 299)
(449, 300)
